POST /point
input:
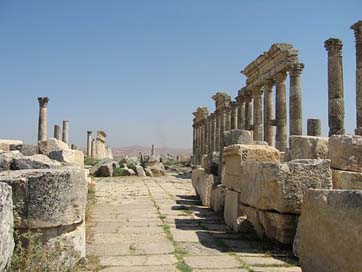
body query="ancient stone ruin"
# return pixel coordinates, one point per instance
(291, 188)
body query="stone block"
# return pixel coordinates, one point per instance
(308, 147)
(37, 161)
(140, 171)
(272, 225)
(218, 198)
(70, 156)
(104, 168)
(238, 136)
(6, 144)
(203, 184)
(6, 225)
(345, 152)
(281, 187)
(232, 211)
(236, 155)
(347, 180)
(7, 158)
(45, 198)
(329, 231)
(52, 144)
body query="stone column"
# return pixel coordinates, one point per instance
(234, 115)
(217, 131)
(314, 127)
(241, 112)
(268, 112)
(89, 143)
(94, 149)
(248, 112)
(221, 143)
(194, 143)
(295, 100)
(43, 118)
(335, 86)
(258, 115)
(65, 137)
(357, 27)
(152, 150)
(281, 112)
(227, 116)
(213, 132)
(57, 133)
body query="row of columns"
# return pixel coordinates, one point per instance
(43, 123)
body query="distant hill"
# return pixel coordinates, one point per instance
(134, 150)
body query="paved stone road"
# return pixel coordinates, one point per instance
(156, 224)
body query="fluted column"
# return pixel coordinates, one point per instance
(335, 86)
(194, 142)
(89, 143)
(213, 132)
(221, 143)
(357, 27)
(314, 127)
(43, 118)
(268, 112)
(234, 115)
(281, 112)
(241, 112)
(295, 100)
(258, 115)
(227, 118)
(217, 132)
(57, 132)
(248, 112)
(65, 137)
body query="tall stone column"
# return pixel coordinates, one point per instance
(194, 143)
(43, 118)
(217, 132)
(258, 115)
(248, 111)
(335, 86)
(295, 100)
(268, 112)
(227, 114)
(357, 27)
(89, 143)
(221, 143)
(94, 149)
(65, 137)
(57, 132)
(234, 115)
(314, 127)
(281, 112)
(213, 132)
(241, 112)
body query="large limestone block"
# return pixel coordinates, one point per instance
(236, 155)
(140, 171)
(232, 211)
(196, 173)
(46, 198)
(218, 198)
(329, 231)
(52, 144)
(345, 152)
(272, 225)
(6, 145)
(238, 136)
(281, 187)
(37, 161)
(7, 158)
(104, 168)
(347, 180)
(203, 184)
(75, 157)
(6, 225)
(308, 147)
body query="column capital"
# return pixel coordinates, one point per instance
(43, 101)
(268, 84)
(357, 27)
(257, 91)
(89, 132)
(333, 46)
(296, 69)
(280, 77)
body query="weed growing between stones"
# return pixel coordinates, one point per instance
(90, 161)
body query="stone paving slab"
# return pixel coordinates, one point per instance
(157, 224)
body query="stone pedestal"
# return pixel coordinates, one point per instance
(314, 127)
(268, 113)
(295, 100)
(65, 137)
(281, 112)
(335, 86)
(357, 27)
(43, 118)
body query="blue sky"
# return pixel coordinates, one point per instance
(138, 68)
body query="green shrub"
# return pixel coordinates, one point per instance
(90, 161)
(132, 165)
(119, 172)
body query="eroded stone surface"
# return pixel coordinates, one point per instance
(6, 225)
(75, 157)
(47, 197)
(329, 231)
(52, 144)
(308, 147)
(347, 180)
